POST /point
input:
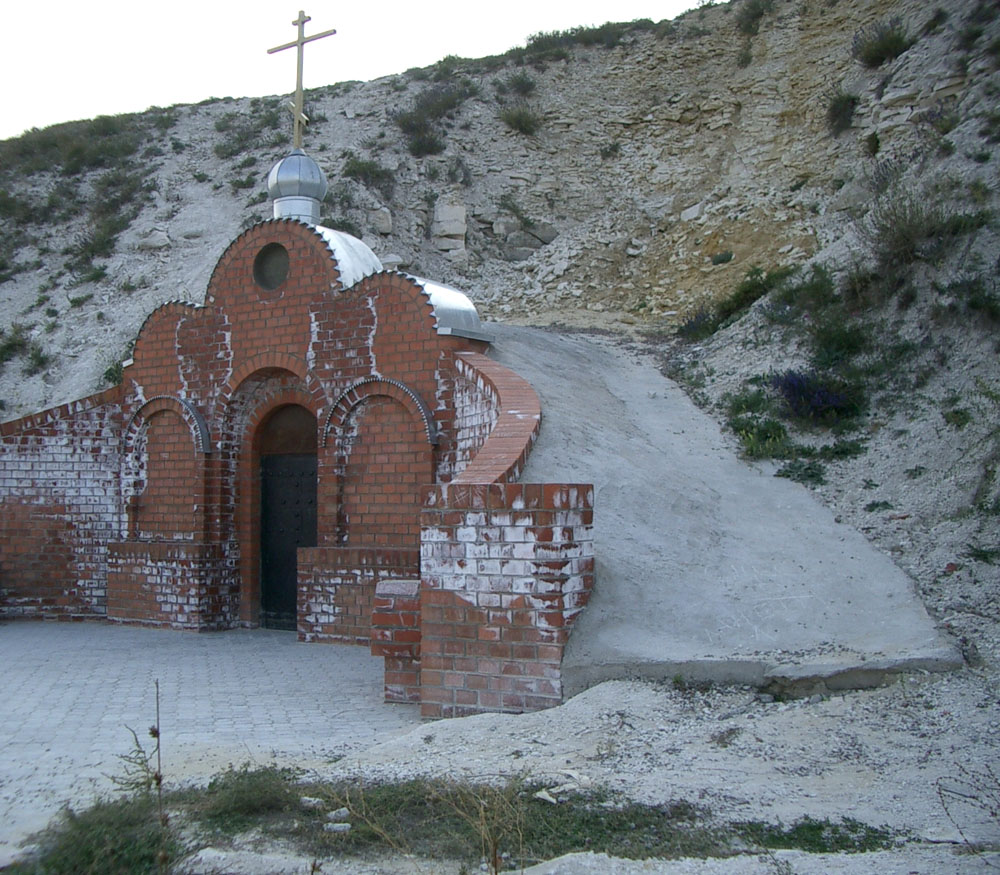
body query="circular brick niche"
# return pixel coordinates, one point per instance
(270, 268)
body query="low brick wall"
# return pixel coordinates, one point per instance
(336, 592)
(396, 636)
(180, 584)
(505, 571)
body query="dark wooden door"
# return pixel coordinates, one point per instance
(287, 522)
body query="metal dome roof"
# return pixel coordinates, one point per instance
(454, 312)
(297, 175)
(355, 260)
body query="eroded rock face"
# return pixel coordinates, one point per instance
(653, 158)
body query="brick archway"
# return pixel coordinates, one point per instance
(253, 402)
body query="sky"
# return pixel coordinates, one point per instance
(74, 59)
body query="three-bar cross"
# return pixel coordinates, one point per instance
(297, 107)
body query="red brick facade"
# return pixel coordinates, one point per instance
(144, 503)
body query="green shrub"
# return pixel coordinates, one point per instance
(880, 42)
(835, 342)
(446, 68)
(810, 472)
(420, 123)
(371, 174)
(13, 342)
(114, 374)
(555, 45)
(752, 287)
(520, 83)
(840, 111)
(903, 228)
(814, 398)
(761, 438)
(119, 837)
(345, 225)
(37, 362)
(697, 325)
(611, 150)
(749, 15)
(427, 143)
(236, 796)
(807, 294)
(521, 117)
(73, 147)
(240, 183)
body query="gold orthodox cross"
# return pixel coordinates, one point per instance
(297, 107)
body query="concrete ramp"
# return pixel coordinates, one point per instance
(706, 567)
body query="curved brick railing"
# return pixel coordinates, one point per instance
(501, 458)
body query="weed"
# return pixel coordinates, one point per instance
(371, 174)
(611, 150)
(978, 299)
(555, 45)
(836, 342)
(942, 120)
(200, 176)
(880, 42)
(903, 228)
(725, 737)
(106, 141)
(808, 294)
(745, 56)
(722, 257)
(37, 361)
(990, 130)
(915, 472)
(841, 449)
(957, 417)
(872, 144)
(809, 472)
(418, 123)
(13, 343)
(970, 796)
(874, 506)
(818, 399)
(939, 17)
(112, 837)
(345, 225)
(519, 83)
(761, 438)
(821, 836)
(749, 15)
(522, 118)
(987, 555)
(840, 108)
(508, 203)
(114, 374)
(80, 300)
(235, 797)
(698, 325)
(748, 401)
(753, 286)
(239, 183)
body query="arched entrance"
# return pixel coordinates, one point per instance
(287, 452)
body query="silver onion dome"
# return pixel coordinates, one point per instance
(297, 186)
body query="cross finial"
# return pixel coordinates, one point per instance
(297, 106)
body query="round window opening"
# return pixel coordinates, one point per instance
(270, 267)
